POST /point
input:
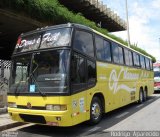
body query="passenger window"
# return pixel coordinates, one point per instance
(103, 49)
(147, 64)
(151, 64)
(136, 59)
(142, 62)
(99, 48)
(78, 74)
(91, 66)
(83, 42)
(115, 52)
(130, 58)
(121, 59)
(126, 55)
(107, 51)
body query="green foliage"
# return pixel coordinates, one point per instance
(52, 12)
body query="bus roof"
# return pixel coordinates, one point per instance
(81, 27)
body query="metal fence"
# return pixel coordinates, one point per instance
(4, 81)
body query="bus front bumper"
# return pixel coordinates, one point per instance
(52, 118)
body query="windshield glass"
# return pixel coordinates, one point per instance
(45, 39)
(56, 38)
(157, 74)
(48, 74)
(20, 73)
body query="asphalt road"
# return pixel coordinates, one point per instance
(134, 117)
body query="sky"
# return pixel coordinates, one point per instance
(144, 23)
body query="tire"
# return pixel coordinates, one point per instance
(145, 95)
(95, 111)
(141, 97)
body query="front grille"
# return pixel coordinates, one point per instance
(33, 107)
(33, 118)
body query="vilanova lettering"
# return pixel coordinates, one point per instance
(129, 75)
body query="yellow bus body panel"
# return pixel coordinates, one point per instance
(119, 86)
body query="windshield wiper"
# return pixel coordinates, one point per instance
(31, 75)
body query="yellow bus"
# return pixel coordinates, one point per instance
(67, 74)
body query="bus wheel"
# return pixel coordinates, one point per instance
(141, 96)
(95, 111)
(145, 96)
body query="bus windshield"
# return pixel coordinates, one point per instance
(45, 71)
(45, 39)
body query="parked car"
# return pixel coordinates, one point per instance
(157, 81)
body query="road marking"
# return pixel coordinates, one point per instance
(94, 129)
(19, 127)
(122, 115)
(139, 106)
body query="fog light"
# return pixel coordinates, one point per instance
(58, 118)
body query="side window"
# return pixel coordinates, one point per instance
(136, 59)
(99, 48)
(126, 55)
(121, 58)
(107, 51)
(91, 67)
(130, 58)
(151, 64)
(78, 76)
(142, 62)
(83, 42)
(115, 52)
(147, 64)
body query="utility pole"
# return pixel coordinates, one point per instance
(128, 34)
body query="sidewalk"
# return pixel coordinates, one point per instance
(6, 122)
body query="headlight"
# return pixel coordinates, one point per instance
(12, 104)
(56, 107)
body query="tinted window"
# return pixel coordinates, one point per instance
(142, 62)
(136, 59)
(107, 51)
(28, 43)
(83, 42)
(151, 65)
(99, 48)
(126, 54)
(56, 38)
(147, 63)
(121, 59)
(91, 72)
(78, 74)
(130, 58)
(115, 52)
(50, 71)
(103, 49)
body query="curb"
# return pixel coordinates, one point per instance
(16, 124)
